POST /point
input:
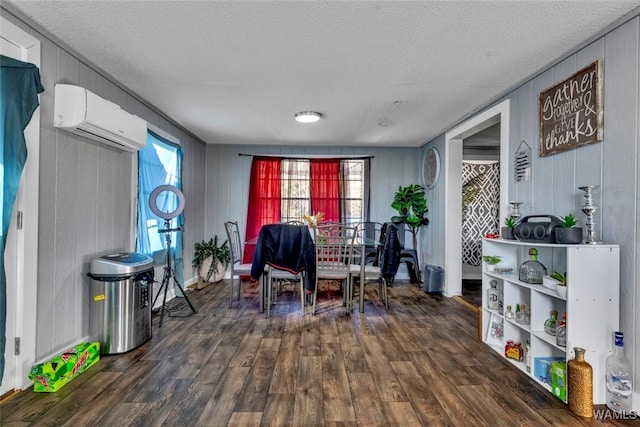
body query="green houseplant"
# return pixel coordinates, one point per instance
(210, 259)
(566, 232)
(561, 285)
(491, 261)
(507, 230)
(411, 204)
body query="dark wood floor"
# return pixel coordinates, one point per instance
(472, 292)
(420, 363)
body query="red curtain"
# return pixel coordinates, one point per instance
(264, 200)
(325, 188)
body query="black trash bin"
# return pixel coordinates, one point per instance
(120, 309)
(433, 279)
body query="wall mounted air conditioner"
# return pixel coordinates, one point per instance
(84, 113)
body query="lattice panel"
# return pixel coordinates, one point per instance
(482, 213)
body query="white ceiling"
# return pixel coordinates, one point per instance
(388, 73)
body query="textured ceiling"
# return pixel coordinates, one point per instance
(383, 73)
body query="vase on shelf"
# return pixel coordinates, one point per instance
(580, 385)
(589, 208)
(515, 210)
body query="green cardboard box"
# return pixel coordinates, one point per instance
(53, 374)
(559, 380)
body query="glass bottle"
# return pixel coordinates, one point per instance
(561, 331)
(494, 296)
(532, 271)
(508, 346)
(619, 378)
(509, 314)
(551, 324)
(527, 354)
(580, 385)
(522, 316)
(520, 351)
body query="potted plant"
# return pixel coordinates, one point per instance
(507, 230)
(561, 283)
(566, 232)
(211, 260)
(411, 204)
(491, 261)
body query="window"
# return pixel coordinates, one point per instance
(296, 190)
(295, 201)
(352, 191)
(286, 189)
(159, 163)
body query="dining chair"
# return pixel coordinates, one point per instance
(371, 232)
(279, 277)
(367, 254)
(409, 256)
(288, 253)
(333, 247)
(238, 268)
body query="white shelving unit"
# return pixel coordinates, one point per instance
(592, 302)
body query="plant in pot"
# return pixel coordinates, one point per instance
(561, 283)
(507, 230)
(491, 261)
(411, 204)
(566, 232)
(211, 260)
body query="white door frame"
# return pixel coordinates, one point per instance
(453, 186)
(27, 237)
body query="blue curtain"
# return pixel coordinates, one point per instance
(159, 163)
(19, 88)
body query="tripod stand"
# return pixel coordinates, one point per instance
(169, 274)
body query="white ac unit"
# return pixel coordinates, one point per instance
(84, 113)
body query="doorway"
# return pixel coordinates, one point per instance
(480, 205)
(22, 242)
(454, 145)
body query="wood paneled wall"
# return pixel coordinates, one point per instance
(85, 198)
(228, 179)
(85, 187)
(614, 165)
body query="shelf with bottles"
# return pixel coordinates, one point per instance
(514, 254)
(592, 303)
(544, 306)
(493, 296)
(515, 341)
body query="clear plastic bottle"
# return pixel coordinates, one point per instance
(619, 378)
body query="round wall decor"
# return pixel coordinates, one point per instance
(430, 167)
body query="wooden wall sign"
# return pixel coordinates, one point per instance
(571, 112)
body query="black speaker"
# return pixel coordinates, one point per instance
(536, 228)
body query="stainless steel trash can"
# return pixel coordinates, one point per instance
(120, 308)
(433, 279)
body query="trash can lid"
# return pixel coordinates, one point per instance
(122, 263)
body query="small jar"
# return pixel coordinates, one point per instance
(522, 316)
(509, 314)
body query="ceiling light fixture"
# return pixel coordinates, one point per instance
(307, 116)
